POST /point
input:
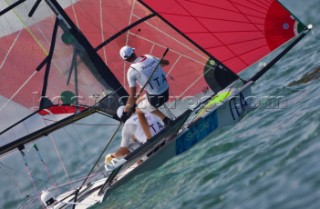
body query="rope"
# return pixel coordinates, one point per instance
(61, 162)
(45, 166)
(13, 180)
(97, 161)
(172, 116)
(28, 170)
(19, 89)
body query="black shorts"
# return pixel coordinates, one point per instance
(158, 100)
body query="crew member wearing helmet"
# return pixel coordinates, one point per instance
(157, 90)
(132, 133)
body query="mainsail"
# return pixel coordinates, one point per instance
(47, 65)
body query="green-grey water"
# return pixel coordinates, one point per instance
(268, 160)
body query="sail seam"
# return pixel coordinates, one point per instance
(29, 30)
(10, 49)
(254, 25)
(212, 18)
(20, 88)
(250, 8)
(102, 31)
(212, 6)
(208, 30)
(60, 159)
(75, 14)
(244, 53)
(130, 20)
(174, 39)
(160, 45)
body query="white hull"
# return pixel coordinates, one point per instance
(225, 113)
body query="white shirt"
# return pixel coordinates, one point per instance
(140, 71)
(132, 127)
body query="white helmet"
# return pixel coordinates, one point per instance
(126, 52)
(120, 111)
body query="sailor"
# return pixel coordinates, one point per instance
(133, 135)
(157, 90)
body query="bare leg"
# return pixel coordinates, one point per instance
(144, 123)
(122, 151)
(167, 121)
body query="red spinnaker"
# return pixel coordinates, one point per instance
(236, 32)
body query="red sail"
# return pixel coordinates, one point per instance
(236, 32)
(99, 21)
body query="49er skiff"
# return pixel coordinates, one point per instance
(59, 65)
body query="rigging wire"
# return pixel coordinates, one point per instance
(174, 39)
(67, 184)
(10, 49)
(19, 89)
(10, 7)
(75, 14)
(25, 25)
(172, 116)
(27, 202)
(15, 182)
(28, 170)
(45, 166)
(5, 166)
(130, 20)
(60, 159)
(172, 50)
(30, 198)
(102, 31)
(97, 161)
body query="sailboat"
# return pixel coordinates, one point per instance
(60, 65)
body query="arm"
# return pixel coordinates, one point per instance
(131, 99)
(132, 81)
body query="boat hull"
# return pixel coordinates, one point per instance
(223, 114)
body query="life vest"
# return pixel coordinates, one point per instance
(145, 65)
(155, 125)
